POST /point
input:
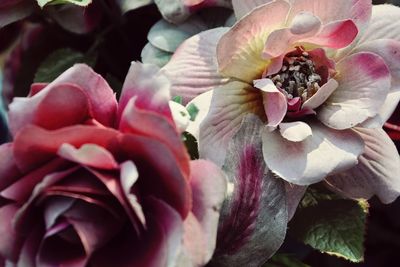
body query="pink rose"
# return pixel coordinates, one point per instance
(88, 181)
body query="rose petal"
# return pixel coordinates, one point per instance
(89, 154)
(275, 103)
(34, 146)
(364, 82)
(193, 69)
(65, 101)
(239, 50)
(376, 173)
(9, 172)
(101, 96)
(151, 88)
(228, 106)
(10, 242)
(156, 127)
(295, 131)
(208, 185)
(254, 216)
(327, 151)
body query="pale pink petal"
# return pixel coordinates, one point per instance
(239, 50)
(229, 104)
(377, 172)
(101, 96)
(195, 244)
(364, 82)
(89, 154)
(151, 88)
(254, 215)
(66, 101)
(321, 95)
(242, 7)
(327, 151)
(303, 25)
(357, 10)
(193, 69)
(15, 10)
(389, 50)
(337, 34)
(295, 131)
(208, 184)
(275, 103)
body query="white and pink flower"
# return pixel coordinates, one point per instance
(323, 76)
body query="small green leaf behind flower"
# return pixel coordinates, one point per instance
(59, 61)
(331, 225)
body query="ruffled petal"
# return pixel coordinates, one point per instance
(328, 11)
(275, 103)
(321, 95)
(327, 151)
(296, 131)
(377, 172)
(193, 68)
(254, 215)
(239, 50)
(229, 104)
(364, 82)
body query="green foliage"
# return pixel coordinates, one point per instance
(193, 111)
(42, 3)
(331, 225)
(284, 260)
(58, 62)
(178, 99)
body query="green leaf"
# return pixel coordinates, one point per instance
(284, 260)
(193, 111)
(178, 99)
(42, 3)
(58, 62)
(333, 226)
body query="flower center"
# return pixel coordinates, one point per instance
(298, 76)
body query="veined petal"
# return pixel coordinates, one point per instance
(229, 104)
(242, 7)
(327, 151)
(254, 215)
(377, 172)
(275, 103)
(239, 50)
(295, 131)
(364, 82)
(151, 88)
(193, 68)
(357, 10)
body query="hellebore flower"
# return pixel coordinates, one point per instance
(322, 76)
(87, 181)
(176, 11)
